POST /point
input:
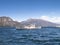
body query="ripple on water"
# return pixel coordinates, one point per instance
(30, 37)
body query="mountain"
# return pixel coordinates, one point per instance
(7, 21)
(39, 22)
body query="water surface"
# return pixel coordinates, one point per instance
(44, 36)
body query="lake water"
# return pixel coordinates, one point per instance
(44, 36)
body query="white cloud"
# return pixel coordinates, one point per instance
(51, 19)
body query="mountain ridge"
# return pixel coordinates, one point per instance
(38, 21)
(7, 21)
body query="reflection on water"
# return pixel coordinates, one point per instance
(44, 36)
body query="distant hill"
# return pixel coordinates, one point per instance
(7, 21)
(39, 22)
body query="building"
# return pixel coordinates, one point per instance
(32, 26)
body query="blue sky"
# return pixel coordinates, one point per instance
(24, 9)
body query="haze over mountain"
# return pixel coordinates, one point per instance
(51, 18)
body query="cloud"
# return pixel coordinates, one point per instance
(51, 19)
